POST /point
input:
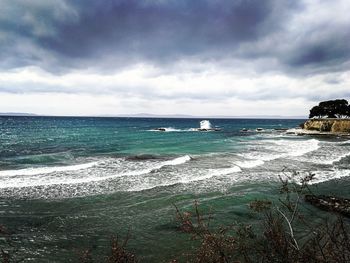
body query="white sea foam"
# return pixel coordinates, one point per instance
(183, 179)
(324, 176)
(329, 153)
(269, 150)
(176, 161)
(250, 163)
(47, 170)
(171, 129)
(166, 129)
(209, 170)
(223, 171)
(337, 159)
(298, 148)
(82, 173)
(205, 124)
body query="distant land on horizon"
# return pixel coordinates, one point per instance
(148, 115)
(17, 114)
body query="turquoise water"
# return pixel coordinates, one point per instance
(68, 184)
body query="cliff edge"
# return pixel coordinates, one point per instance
(328, 125)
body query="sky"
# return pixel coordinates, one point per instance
(193, 57)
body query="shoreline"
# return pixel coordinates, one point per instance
(302, 132)
(323, 127)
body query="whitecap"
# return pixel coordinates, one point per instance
(166, 129)
(337, 159)
(269, 150)
(223, 171)
(187, 179)
(176, 161)
(250, 163)
(90, 172)
(205, 124)
(47, 170)
(323, 176)
(328, 153)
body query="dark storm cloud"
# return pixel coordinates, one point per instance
(122, 32)
(106, 35)
(329, 47)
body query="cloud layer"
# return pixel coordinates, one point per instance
(176, 50)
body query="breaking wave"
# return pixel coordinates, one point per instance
(269, 150)
(47, 170)
(82, 173)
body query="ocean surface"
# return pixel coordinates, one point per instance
(70, 183)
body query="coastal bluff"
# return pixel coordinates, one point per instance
(328, 125)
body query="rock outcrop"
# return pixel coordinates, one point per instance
(328, 125)
(330, 203)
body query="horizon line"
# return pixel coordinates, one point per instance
(149, 115)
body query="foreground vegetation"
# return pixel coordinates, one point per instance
(283, 234)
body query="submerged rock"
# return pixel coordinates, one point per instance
(330, 203)
(210, 129)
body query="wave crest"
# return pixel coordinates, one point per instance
(47, 170)
(82, 173)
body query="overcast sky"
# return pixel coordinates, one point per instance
(196, 57)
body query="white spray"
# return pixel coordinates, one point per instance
(205, 124)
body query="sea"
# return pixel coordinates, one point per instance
(71, 184)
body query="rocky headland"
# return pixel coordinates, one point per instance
(339, 127)
(328, 125)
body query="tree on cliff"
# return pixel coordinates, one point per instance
(331, 109)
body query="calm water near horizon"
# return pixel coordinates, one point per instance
(70, 183)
